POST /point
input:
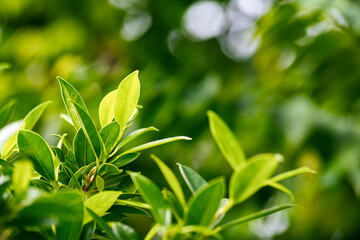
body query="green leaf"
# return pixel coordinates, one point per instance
(154, 144)
(171, 179)
(292, 173)
(102, 224)
(203, 205)
(127, 97)
(88, 126)
(34, 115)
(152, 195)
(100, 203)
(109, 134)
(127, 210)
(21, 176)
(100, 183)
(44, 185)
(6, 111)
(124, 232)
(250, 178)
(106, 108)
(70, 96)
(254, 216)
(120, 161)
(84, 153)
(192, 178)
(280, 187)
(88, 231)
(108, 169)
(176, 207)
(135, 134)
(226, 141)
(39, 151)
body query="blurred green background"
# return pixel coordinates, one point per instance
(285, 75)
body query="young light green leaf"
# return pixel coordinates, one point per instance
(21, 176)
(133, 136)
(171, 179)
(102, 224)
(70, 95)
(100, 203)
(226, 141)
(152, 195)
(280, 187)
(106, 108)
(203, 205)
(192, 178)
(109, 134)
(100, 183)
(250, 178)
(254, 216)
(34, 115)
(88, 126)
(151, 234)
(124, 232)
(154, 144)
(127, 97)
(84, 153)
(39, 151)
(292, 173)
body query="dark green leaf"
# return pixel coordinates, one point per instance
(102, 224)
(203, 205)
(124, 232)
(109, 135)
(120, 161)
(41, 154)
(84, 153)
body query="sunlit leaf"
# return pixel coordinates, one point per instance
(100, 183)
(70, 96)
(21, 176)
(292, 173)
(40, 152)
(127, 97)
(106, 108)
(154, 144)
(226, 141)
(100, 203)
(280, 187)
(250, 178)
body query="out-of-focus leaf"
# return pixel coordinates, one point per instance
(88, 231)
(292, 173)
(88, 126)
(34, 115)
(203, 205)
(171, 179)
(109, 134)
(40, 152)
(280, 187)
(127, 97)
(154, 144)
(250, 178)
(152, 195)
(254, 216)
(192, 178)
(106, 108)
(100, 203)
(124, 232)
(46, 186)
(226, 141)
(84, 153)
(6, 111)
(102, 224)
(21, 176)
(127, 210)
(70, 95)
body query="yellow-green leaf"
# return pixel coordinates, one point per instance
(21, 176)
(106, 108)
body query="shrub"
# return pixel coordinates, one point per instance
(78, 189)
